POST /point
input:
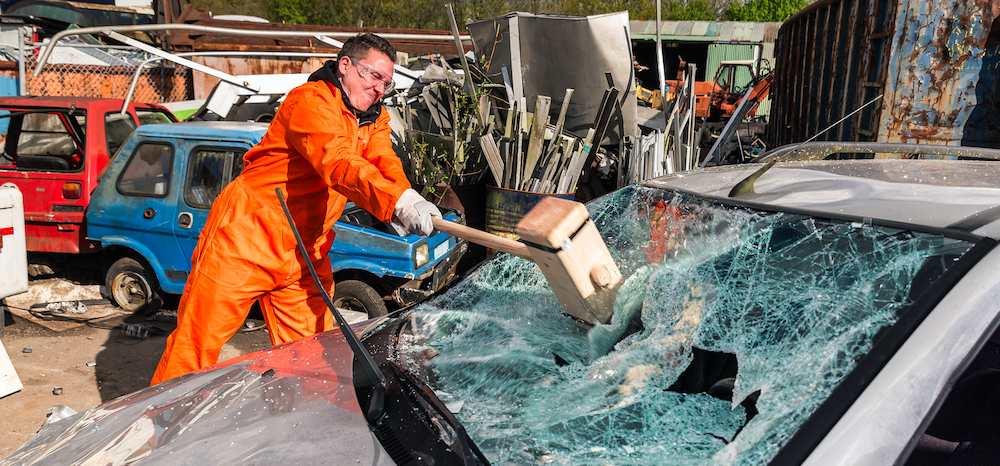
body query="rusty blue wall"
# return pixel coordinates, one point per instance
(942, 88)
(934, 61)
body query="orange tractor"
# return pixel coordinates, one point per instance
(716, 100)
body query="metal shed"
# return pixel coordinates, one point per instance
(705, 43)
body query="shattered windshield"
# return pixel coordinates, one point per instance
(731, 327)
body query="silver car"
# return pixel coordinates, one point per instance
(802, 312)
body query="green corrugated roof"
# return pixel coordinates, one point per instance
(702, 31)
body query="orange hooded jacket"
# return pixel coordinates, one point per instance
(321, 153)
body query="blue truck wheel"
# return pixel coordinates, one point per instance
(355, 295)
(132, 286)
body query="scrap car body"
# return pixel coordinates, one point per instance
(827, 316)
(155, 197)
(55, 148)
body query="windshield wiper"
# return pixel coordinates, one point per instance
(376, 409)
(447, 427)
(439, 419)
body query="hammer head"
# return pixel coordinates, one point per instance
(566, 245)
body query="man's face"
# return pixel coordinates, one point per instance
(364, 80)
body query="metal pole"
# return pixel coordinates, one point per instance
(174, 58)
(22, 73)
(219, 30)
(690, 161)
(470, 89)
(661, 74)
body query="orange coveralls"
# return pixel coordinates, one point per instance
(320, 155)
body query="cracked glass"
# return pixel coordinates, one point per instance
(732, 326)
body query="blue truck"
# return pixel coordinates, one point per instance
(153, 198)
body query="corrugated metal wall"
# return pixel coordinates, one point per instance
(718, 53)
(928, 58)
(942, 81)
(819, 55)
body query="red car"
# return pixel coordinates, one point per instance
(54, 148)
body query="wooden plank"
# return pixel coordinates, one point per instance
(576, 165)
(536, 137)
(557, 132)
(508, 167)
(9, 381)
(493, 158)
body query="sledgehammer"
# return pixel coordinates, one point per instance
(559, 236)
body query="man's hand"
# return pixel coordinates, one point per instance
(415, 213)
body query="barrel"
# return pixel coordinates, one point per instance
(506, 207)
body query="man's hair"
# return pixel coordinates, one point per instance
(358, 47)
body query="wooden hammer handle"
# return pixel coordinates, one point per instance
(482, 238)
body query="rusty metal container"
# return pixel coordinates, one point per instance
(934, 62)
(506, 207)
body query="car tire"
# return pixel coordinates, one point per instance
(261, 112)
(132, 286)
(355, 295)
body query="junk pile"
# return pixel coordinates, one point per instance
(505, 119)
(436, 130)
(534, 155)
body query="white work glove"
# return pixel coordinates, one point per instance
(415, 213)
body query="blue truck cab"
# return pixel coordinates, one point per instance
(153, 198)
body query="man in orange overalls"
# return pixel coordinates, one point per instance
(328, 143)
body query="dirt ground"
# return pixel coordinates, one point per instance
(91, 363)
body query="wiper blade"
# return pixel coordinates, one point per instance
(461, 443)
(376, 409)
(418, 391)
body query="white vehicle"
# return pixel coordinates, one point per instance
(822, 312)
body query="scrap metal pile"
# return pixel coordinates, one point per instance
(523, 150)
(450, 129)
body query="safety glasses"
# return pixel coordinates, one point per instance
(373, 76)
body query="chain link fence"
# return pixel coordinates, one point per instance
(84, 70)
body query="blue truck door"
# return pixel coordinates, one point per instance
(145, 211)
(211, 166)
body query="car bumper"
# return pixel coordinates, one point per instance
(442, 274)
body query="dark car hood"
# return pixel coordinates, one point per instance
(293, 404)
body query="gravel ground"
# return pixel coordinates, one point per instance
(120, 365)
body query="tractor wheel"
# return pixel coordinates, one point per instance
(357, 296)
(132, 287)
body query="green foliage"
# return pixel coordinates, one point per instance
(694, 10)
(637, 9)
(236, 7)
(431, 14)
(290, 11)
(763, 10)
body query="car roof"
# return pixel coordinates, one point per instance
(239, 130)
(955, 194)
(59, 101)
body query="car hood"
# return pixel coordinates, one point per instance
(934, 193)
(292, 404)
